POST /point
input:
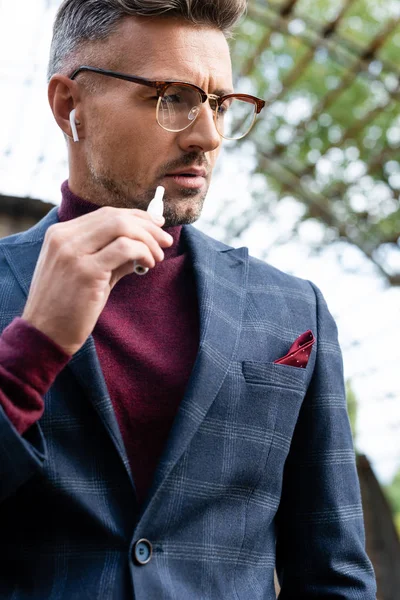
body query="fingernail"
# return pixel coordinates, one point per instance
(158, 220)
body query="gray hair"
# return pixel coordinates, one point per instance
(81, 21)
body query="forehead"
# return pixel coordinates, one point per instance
(159, 48)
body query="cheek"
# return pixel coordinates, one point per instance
(123, 140)
(117, 121)
(214, 156)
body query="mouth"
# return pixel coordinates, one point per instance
(191, 178)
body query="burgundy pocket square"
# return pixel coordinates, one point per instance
(299, 352)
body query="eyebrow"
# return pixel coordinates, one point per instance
(223, 92)
(217, 92)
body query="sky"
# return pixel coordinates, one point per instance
(33, 163)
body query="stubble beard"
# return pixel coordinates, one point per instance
(106, 191)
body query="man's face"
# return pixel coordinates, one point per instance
(125, 152)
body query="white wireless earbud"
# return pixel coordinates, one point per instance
(72, 121)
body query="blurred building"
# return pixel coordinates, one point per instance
(19, 214)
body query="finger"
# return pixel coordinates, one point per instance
(90, 236)
(140, 234)
(126, 269)
(142, 214)
(124, 250)
(109, 212)
(123, 225)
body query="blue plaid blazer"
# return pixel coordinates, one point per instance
(258, 471)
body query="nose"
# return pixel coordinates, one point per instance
(202, 134)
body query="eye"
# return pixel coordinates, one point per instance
(223, 109)
(173, 98)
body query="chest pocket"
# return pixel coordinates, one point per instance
(275, 375)
(274, 396)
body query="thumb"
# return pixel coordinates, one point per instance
(126, 269)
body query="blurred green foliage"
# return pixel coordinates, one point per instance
(393, 494)
(330, 133)
(352, 409)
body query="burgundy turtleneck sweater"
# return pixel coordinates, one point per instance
(146, 339)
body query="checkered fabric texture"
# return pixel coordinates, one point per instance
(258, 472)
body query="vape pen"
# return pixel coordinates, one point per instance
(155, 209)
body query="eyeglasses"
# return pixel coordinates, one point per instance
(179, 105)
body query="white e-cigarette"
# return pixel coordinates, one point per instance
(155, 209)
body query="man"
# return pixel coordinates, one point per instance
(180, 434)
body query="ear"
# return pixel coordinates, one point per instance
(64, 97)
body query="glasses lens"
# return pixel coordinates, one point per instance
(236, 118)
(178, 107)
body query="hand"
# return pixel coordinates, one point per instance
(79, 264)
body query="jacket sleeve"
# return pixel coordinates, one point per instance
(320, 529)
(29, 363)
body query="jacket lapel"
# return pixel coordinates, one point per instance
(86, 367)
(22, 258)
(221, 279)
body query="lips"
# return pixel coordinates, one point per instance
(192, 178)
(188, 173)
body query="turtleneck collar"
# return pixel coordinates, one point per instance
(72, 207)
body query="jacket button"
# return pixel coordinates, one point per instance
(143, 551)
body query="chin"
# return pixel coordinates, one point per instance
(183, 212)
(177, 219)
(182, 217)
